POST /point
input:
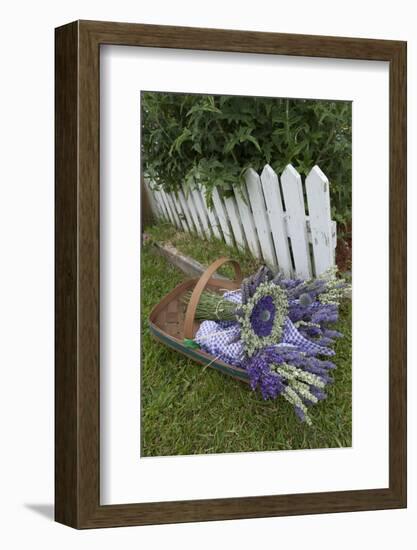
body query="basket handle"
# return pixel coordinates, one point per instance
(200, 286)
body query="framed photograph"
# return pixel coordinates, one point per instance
(230, 274)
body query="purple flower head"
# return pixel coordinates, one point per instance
(305, 299)
(263, 316)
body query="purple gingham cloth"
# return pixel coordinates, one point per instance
(291, 335)
(222, 339)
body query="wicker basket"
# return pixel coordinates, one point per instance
(171, 321)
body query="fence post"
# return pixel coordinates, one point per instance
(186, 211)
(318, 199)
(167, 206)
(211, 216)
(173, 209)
(194, 215)
(180, 211)
(257, 202)
(248, 223)
(233, 214)
(222, 216)
(201, 211)
(296, 221)
(273, 201)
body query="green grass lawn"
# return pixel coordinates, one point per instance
(187, 409)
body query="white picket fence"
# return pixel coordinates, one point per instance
(271, 221)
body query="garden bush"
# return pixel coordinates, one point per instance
(212, 140)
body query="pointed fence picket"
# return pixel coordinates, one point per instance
(235, 221)
(257, 202)
(292, 190)
(201, 212)
(193, 211)
(248, 223)
(180, 211)
(273, 202)
(186, 211)
(211, 213)
(267, 218)
(161, 209)
(167, 206)
(170, 200)
(318, 197)
(221, 213)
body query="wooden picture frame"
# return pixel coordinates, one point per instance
(77, 374)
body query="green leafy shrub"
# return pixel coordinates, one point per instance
(212, 140)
